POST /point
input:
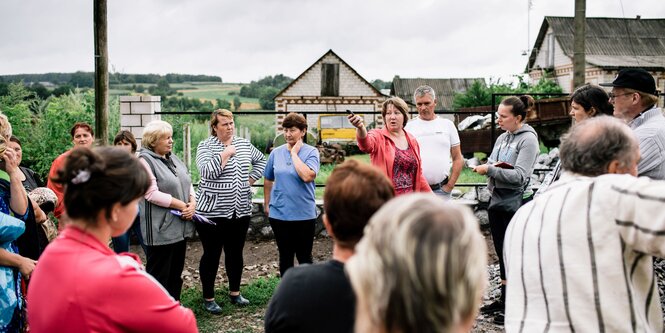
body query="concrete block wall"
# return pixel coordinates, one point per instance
(138, 111)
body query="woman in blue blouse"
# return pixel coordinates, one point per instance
(289, 193)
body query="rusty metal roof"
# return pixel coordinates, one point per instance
(445, 89)
(611, 43)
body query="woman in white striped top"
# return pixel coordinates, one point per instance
(228, 166)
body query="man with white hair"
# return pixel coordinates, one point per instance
(439, 143)
(579, 257)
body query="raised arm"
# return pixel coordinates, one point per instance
(208, 163)
(19, 198)
(305, 172)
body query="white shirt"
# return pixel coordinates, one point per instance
(579, 257)
(435, 138)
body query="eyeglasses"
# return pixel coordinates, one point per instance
(612, 95)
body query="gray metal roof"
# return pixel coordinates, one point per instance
(611, 42)
(445, 89)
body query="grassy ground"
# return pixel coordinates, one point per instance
(258, 292)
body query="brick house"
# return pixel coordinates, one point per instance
(328, 86)
(611, 44)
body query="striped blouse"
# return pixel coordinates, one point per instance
(579, 257)
(223, 192)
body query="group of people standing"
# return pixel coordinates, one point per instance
(168, 210)
(401, 261)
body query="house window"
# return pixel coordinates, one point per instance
(330, 80)
(550, 50)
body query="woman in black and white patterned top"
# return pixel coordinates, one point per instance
(228, 166)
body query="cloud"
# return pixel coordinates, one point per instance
(243, 41)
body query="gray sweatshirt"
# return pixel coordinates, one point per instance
(520, 149)
(158, 225)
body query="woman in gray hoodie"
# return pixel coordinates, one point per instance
(509, 169)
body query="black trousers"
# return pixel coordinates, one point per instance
(499, 221)
(165, 264)
(293, 238)
(228, 235)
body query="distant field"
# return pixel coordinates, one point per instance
(205, 91)
(211, 92)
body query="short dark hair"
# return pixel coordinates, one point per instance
(15, 139)
(295, 120)
(354, 192)
(590, 146)
(96, 179)
(593, 99)
(86, 126)
(520, 105)
(125, 135)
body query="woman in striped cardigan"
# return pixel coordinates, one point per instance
(228, 166)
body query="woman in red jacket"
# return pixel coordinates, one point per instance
(80, 284)
(392, 149)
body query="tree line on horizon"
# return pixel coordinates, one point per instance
(82, 79)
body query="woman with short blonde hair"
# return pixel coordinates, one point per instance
(170, 190)
(421, 267)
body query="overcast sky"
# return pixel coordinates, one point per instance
(246, 40)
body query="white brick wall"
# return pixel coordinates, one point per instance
(138, 111)
(349, 83)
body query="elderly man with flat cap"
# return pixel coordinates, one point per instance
(634, 96)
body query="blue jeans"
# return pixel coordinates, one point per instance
(121, 243)
(442, 194)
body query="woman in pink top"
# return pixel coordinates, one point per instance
(392, 149)
(80, 284)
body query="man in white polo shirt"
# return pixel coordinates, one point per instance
(439, 143)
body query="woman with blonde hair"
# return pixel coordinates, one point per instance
(170, 189)
(421, 267)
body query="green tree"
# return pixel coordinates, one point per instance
(162, 88)
(380, 84)
(82, 79)
(223, 104)
(236, 103)
(255, 88)
(62, 90)
(481, 95)
(40, 90)
(266, 97)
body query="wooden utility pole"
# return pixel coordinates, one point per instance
(579, 58)
(101, 73)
